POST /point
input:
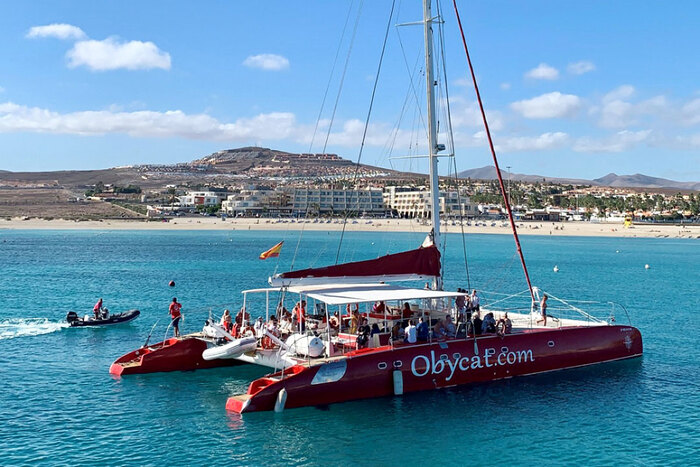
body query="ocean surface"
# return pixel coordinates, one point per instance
(59, 405)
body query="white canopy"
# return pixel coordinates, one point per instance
(341, 294)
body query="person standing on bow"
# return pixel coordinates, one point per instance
(175, 314)
(543, 310)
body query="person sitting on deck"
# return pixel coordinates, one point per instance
(375, 330)
(285, 326)
(334, 322)
(272, 326)
(504, 325)
(476, 324)
(406, 312)
(226, 321)
(410, 333)
(242, 318)
(397, 331)
(450, 329)
(422, 330)
(488, 325)
(379, 307)
(439, 330)
(363, 334)
(259, 327)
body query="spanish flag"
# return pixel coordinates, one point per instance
(272, 252)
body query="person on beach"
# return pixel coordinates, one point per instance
(543, 310)
(97, 309)
(175, 314)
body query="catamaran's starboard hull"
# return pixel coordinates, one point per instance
(184, 354)
(385, 371)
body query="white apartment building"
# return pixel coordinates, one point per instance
(257, 202)
(198, 198)
(415, 202)
(320, 201)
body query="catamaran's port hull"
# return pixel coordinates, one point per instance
(184, 354)
(371, 372)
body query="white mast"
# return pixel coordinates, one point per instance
(433, 146)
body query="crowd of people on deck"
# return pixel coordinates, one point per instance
(399, 323)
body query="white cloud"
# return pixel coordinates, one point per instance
(623, 92)
(110, 54)
(579, 68)
(690, 113)
(270, 62)
(169, 124)
(543, 71)
(467, 114)
(620, 141)
(530, 143)
(551, 105)
(618, 113)
(57, 30)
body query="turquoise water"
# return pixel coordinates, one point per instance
(59, 405)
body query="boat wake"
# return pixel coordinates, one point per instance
(23, 327)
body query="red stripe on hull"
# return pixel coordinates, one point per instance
(439, 365)
(171, 355)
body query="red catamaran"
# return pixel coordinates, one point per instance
(352, 369)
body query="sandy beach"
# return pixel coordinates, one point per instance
(589, 229)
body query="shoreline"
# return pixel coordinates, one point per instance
(557, 229)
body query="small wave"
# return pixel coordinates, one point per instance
(22, 327)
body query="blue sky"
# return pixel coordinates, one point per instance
(575, 89)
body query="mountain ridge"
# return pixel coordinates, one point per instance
(611, 180)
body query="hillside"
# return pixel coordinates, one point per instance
(256, 163)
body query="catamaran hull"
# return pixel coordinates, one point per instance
(386, 371)
(173, 354)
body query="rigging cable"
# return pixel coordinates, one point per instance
(342, 78)
(364, 133)
(335, 107)
(330, 78)
(493, 153)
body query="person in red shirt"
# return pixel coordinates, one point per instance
(300, 314)
(175, 315)
(97, 309)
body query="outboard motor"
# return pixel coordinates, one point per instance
(72, 317)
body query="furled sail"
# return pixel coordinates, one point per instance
(420, 264)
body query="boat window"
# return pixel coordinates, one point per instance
(398, 364)
(550, 343)
(381, 365)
